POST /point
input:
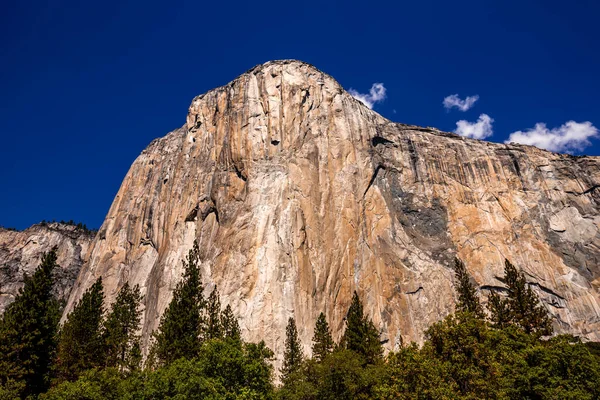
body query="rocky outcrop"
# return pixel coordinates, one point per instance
(21, 253)
(298, 195)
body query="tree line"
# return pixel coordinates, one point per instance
(504, 350)
(77, 225)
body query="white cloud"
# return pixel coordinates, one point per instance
(463, 105)
(376, 95)
(475, 130)
(569, 137)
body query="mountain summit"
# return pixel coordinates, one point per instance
(299, 195)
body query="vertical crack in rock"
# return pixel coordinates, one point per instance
(414, 158)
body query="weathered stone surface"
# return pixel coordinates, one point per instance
(298, 195)
(21, 253)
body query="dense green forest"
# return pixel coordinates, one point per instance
(506, 351)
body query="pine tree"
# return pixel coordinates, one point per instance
(360, 335)
(134, 357)
(80, 346)
(182, 325)
(292, 355)
(214, 327)
(28, 330)
(521, 307)
(525, 308)
(231, 327)
(467, 295)
(499, 311)
(121, 326)
(322, 341)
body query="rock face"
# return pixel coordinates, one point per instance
(298, 195)
(21, 253)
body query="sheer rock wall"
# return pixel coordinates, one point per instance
(21, 253)
(298, 195)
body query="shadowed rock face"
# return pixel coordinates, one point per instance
(298, 195)
(21, 253)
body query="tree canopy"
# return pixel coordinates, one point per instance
(182, 326)
(28, 332)
(80, 346)
(360, 335)
(507, 354)
(467, 294)
(323, 343)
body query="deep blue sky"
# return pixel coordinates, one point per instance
(85, 86)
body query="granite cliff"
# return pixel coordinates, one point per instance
(298, 195)
(21, 253)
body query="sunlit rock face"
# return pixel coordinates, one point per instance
(21, 253)
(298, 195)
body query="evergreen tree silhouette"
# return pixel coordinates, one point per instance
(467, 294)
(521, 307)
(182, 326)
(121, 326)
(525, 309)
(292, 355)
(81, 346)
(214, 327)
(323, 343)
(230, 324)
(360, 335)
(28, 331)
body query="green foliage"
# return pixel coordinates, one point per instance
(499, 308)
(182, 324)
(526, 310)
(27, 333)
(323, 343)
(133, 362)
(123, 321)
(81, 346)
(292, 355)
(11, 390)
(521, 307)
(214, 326)
(594, 349)
(463, 357)
(341, 375)
(561, 368)
(223, 370)
(242, 369)
(182, 379)
(360, 335)
(467, 294)
(95, 384)
(413, 374)
(465, 349)
(349, 372)
(230, 324)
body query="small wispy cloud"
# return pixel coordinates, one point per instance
(480, 129)
(463, 105)
(376, 95)
(569, 137)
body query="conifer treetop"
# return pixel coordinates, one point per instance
(467, 294)
(323, 343)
